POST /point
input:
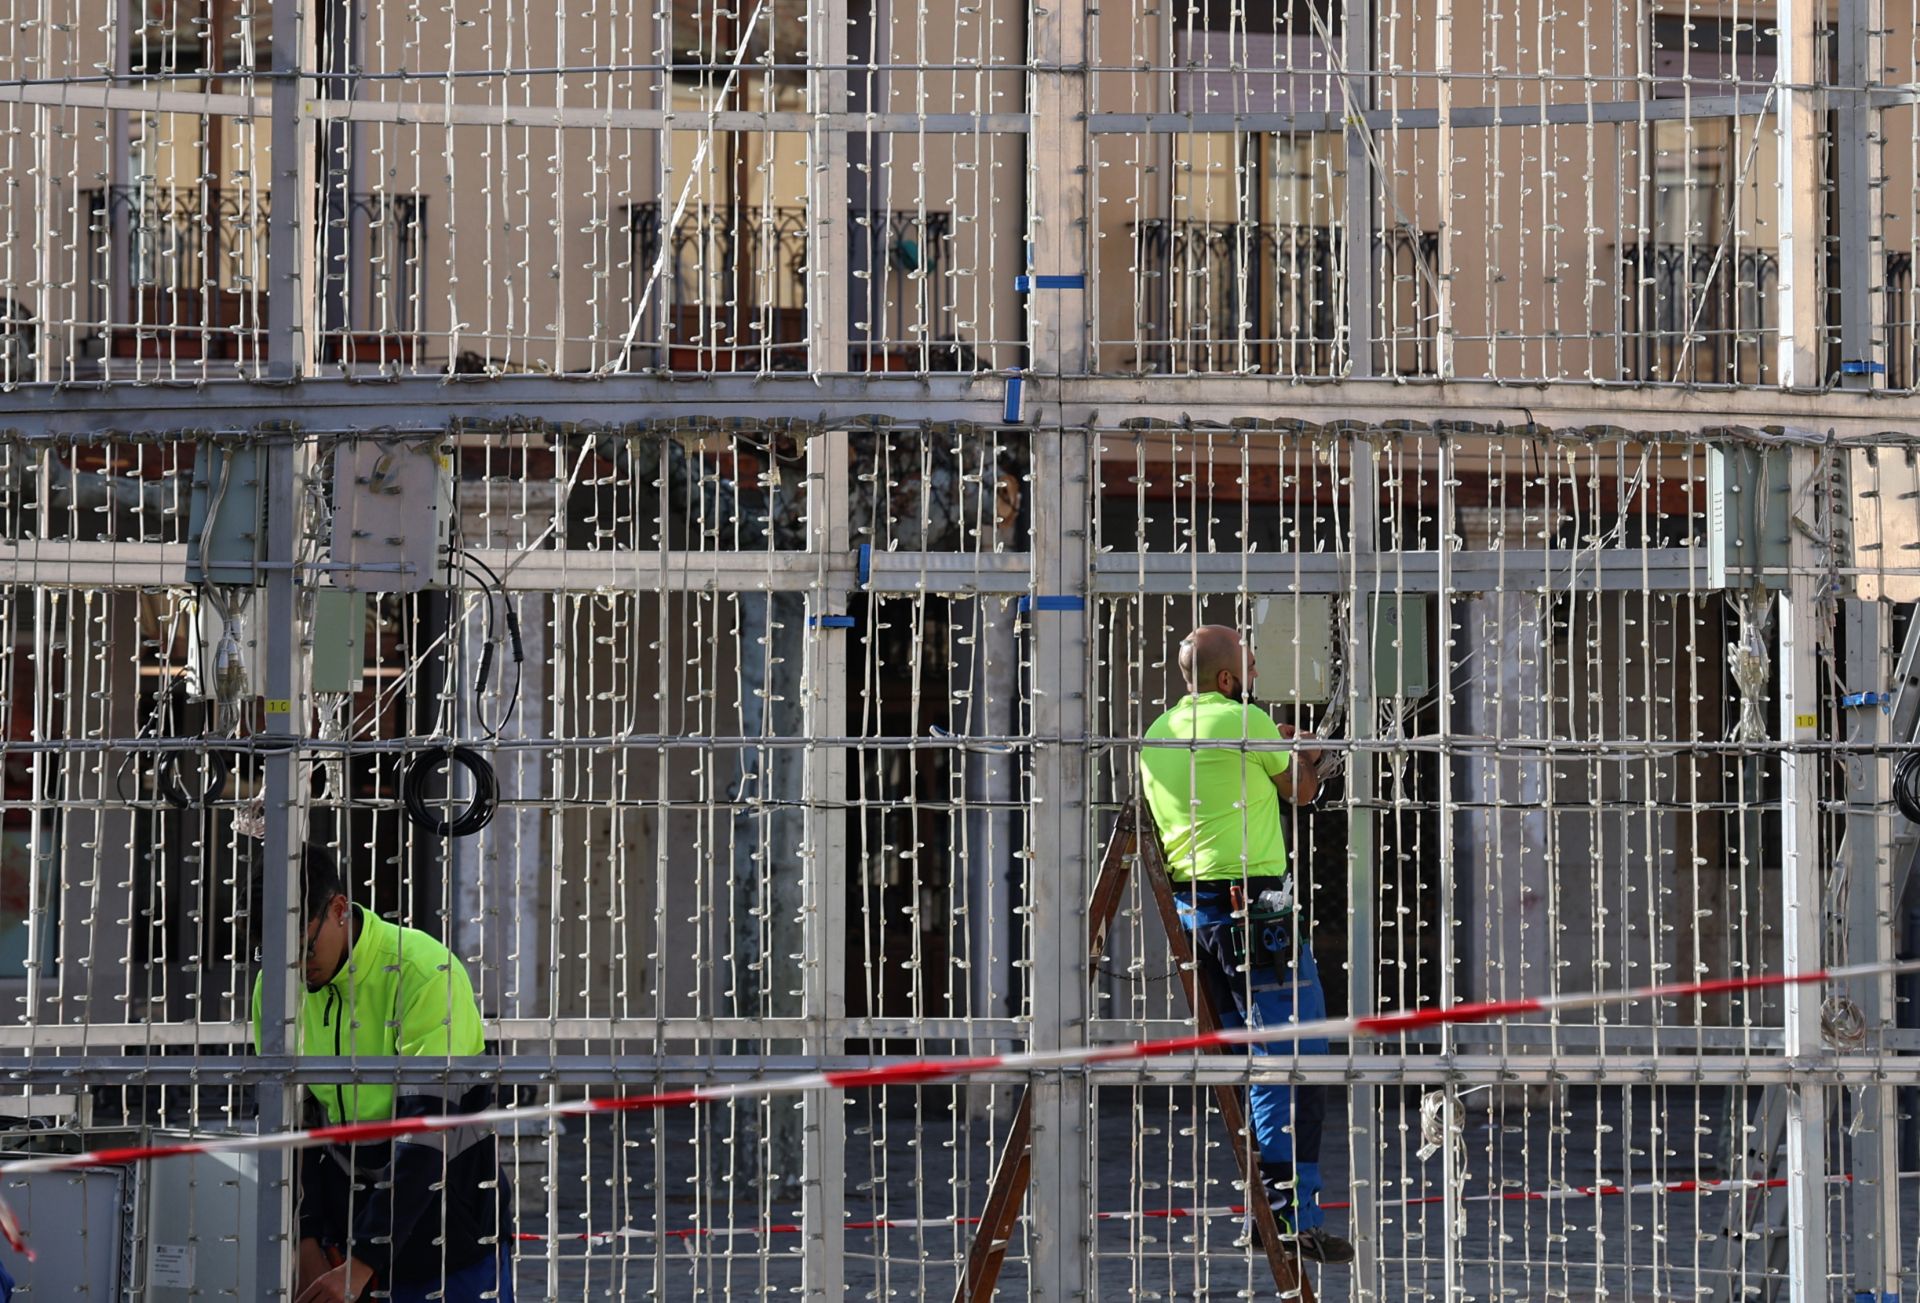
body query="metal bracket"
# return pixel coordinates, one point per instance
(1057, 602)
(1028, 284)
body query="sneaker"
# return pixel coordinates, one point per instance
(1322, 1246)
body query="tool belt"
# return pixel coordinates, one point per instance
(1260, 936)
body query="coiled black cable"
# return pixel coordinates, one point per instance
(215, 766)
(480, 806)
(1906, 786)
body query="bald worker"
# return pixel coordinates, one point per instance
(1219, 812)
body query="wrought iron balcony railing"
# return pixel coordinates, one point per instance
(1247, 296)
(180, 272)
(1692, 313)
(734, 293)
(1903, 322)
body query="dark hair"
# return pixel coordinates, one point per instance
(319, 881)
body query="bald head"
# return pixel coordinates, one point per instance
(1212, 659)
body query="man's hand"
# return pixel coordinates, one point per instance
(1300, 783)
(310, 1265)
(1310, 754)
(345, 1283)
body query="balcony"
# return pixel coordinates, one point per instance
(1265, 299)
(1690, 314)
(734, 295)
(1903, 316)
(180, 274)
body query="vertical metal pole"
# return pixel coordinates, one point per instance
(1363, 885)
(117, 226)
(1801, 315)
(1797, 117)
(289, 346)
(1856, 159)
(829, 280)
(824, 1150)
(1452, 1177)
(1362, 208)
(1058, 329)
(1057, 866)
(1801, 902)
(1443, 360)
(1057, 335)
(1875, 1190)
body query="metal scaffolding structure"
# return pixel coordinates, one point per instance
(829, 418)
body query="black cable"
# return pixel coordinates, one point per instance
(1906, 786)
(215, 767)
(480, 806)
(485, 673)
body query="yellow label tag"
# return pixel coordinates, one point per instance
(279, 706)
(1806, 721)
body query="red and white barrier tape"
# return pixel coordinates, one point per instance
(926, 1071)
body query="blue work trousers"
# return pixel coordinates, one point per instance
(1287, 1120)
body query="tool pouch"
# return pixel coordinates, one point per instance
(1262, 939)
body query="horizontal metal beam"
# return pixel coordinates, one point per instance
(1561, 407)
(566, 571)
(1698, 108)
(64, 563)
(532, 402)
(1527, 570)
(210, 1036)
(153, 99)
(136, 99)
(642, 1070)
(1526, 1040)
(68, 564)
(142, 99)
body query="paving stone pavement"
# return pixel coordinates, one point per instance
(1652, 1247)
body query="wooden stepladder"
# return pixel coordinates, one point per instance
(1133, 834)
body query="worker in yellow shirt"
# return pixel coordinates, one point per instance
(427, 1217)
(1218, 809)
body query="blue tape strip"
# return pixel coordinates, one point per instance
(1060, 602)
(1863, 367)
(1014, 385)
(1028, 284)
(1868, 1296)
(830, 622)
(1867, 699)
(864, 570)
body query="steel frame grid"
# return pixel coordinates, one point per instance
(813, 573)
(1076, 405)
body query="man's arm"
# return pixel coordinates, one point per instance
(392, 1214)
(1299, 782)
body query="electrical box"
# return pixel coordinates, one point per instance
(1749, 506)
(1885, 492)
(339, 640)
(1293, 647)
(77, 1224)
(225, 653)
(227, 488)
(1400, 636)
(392, 514)
(203, 1228)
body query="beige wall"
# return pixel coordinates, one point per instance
(527, 260)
